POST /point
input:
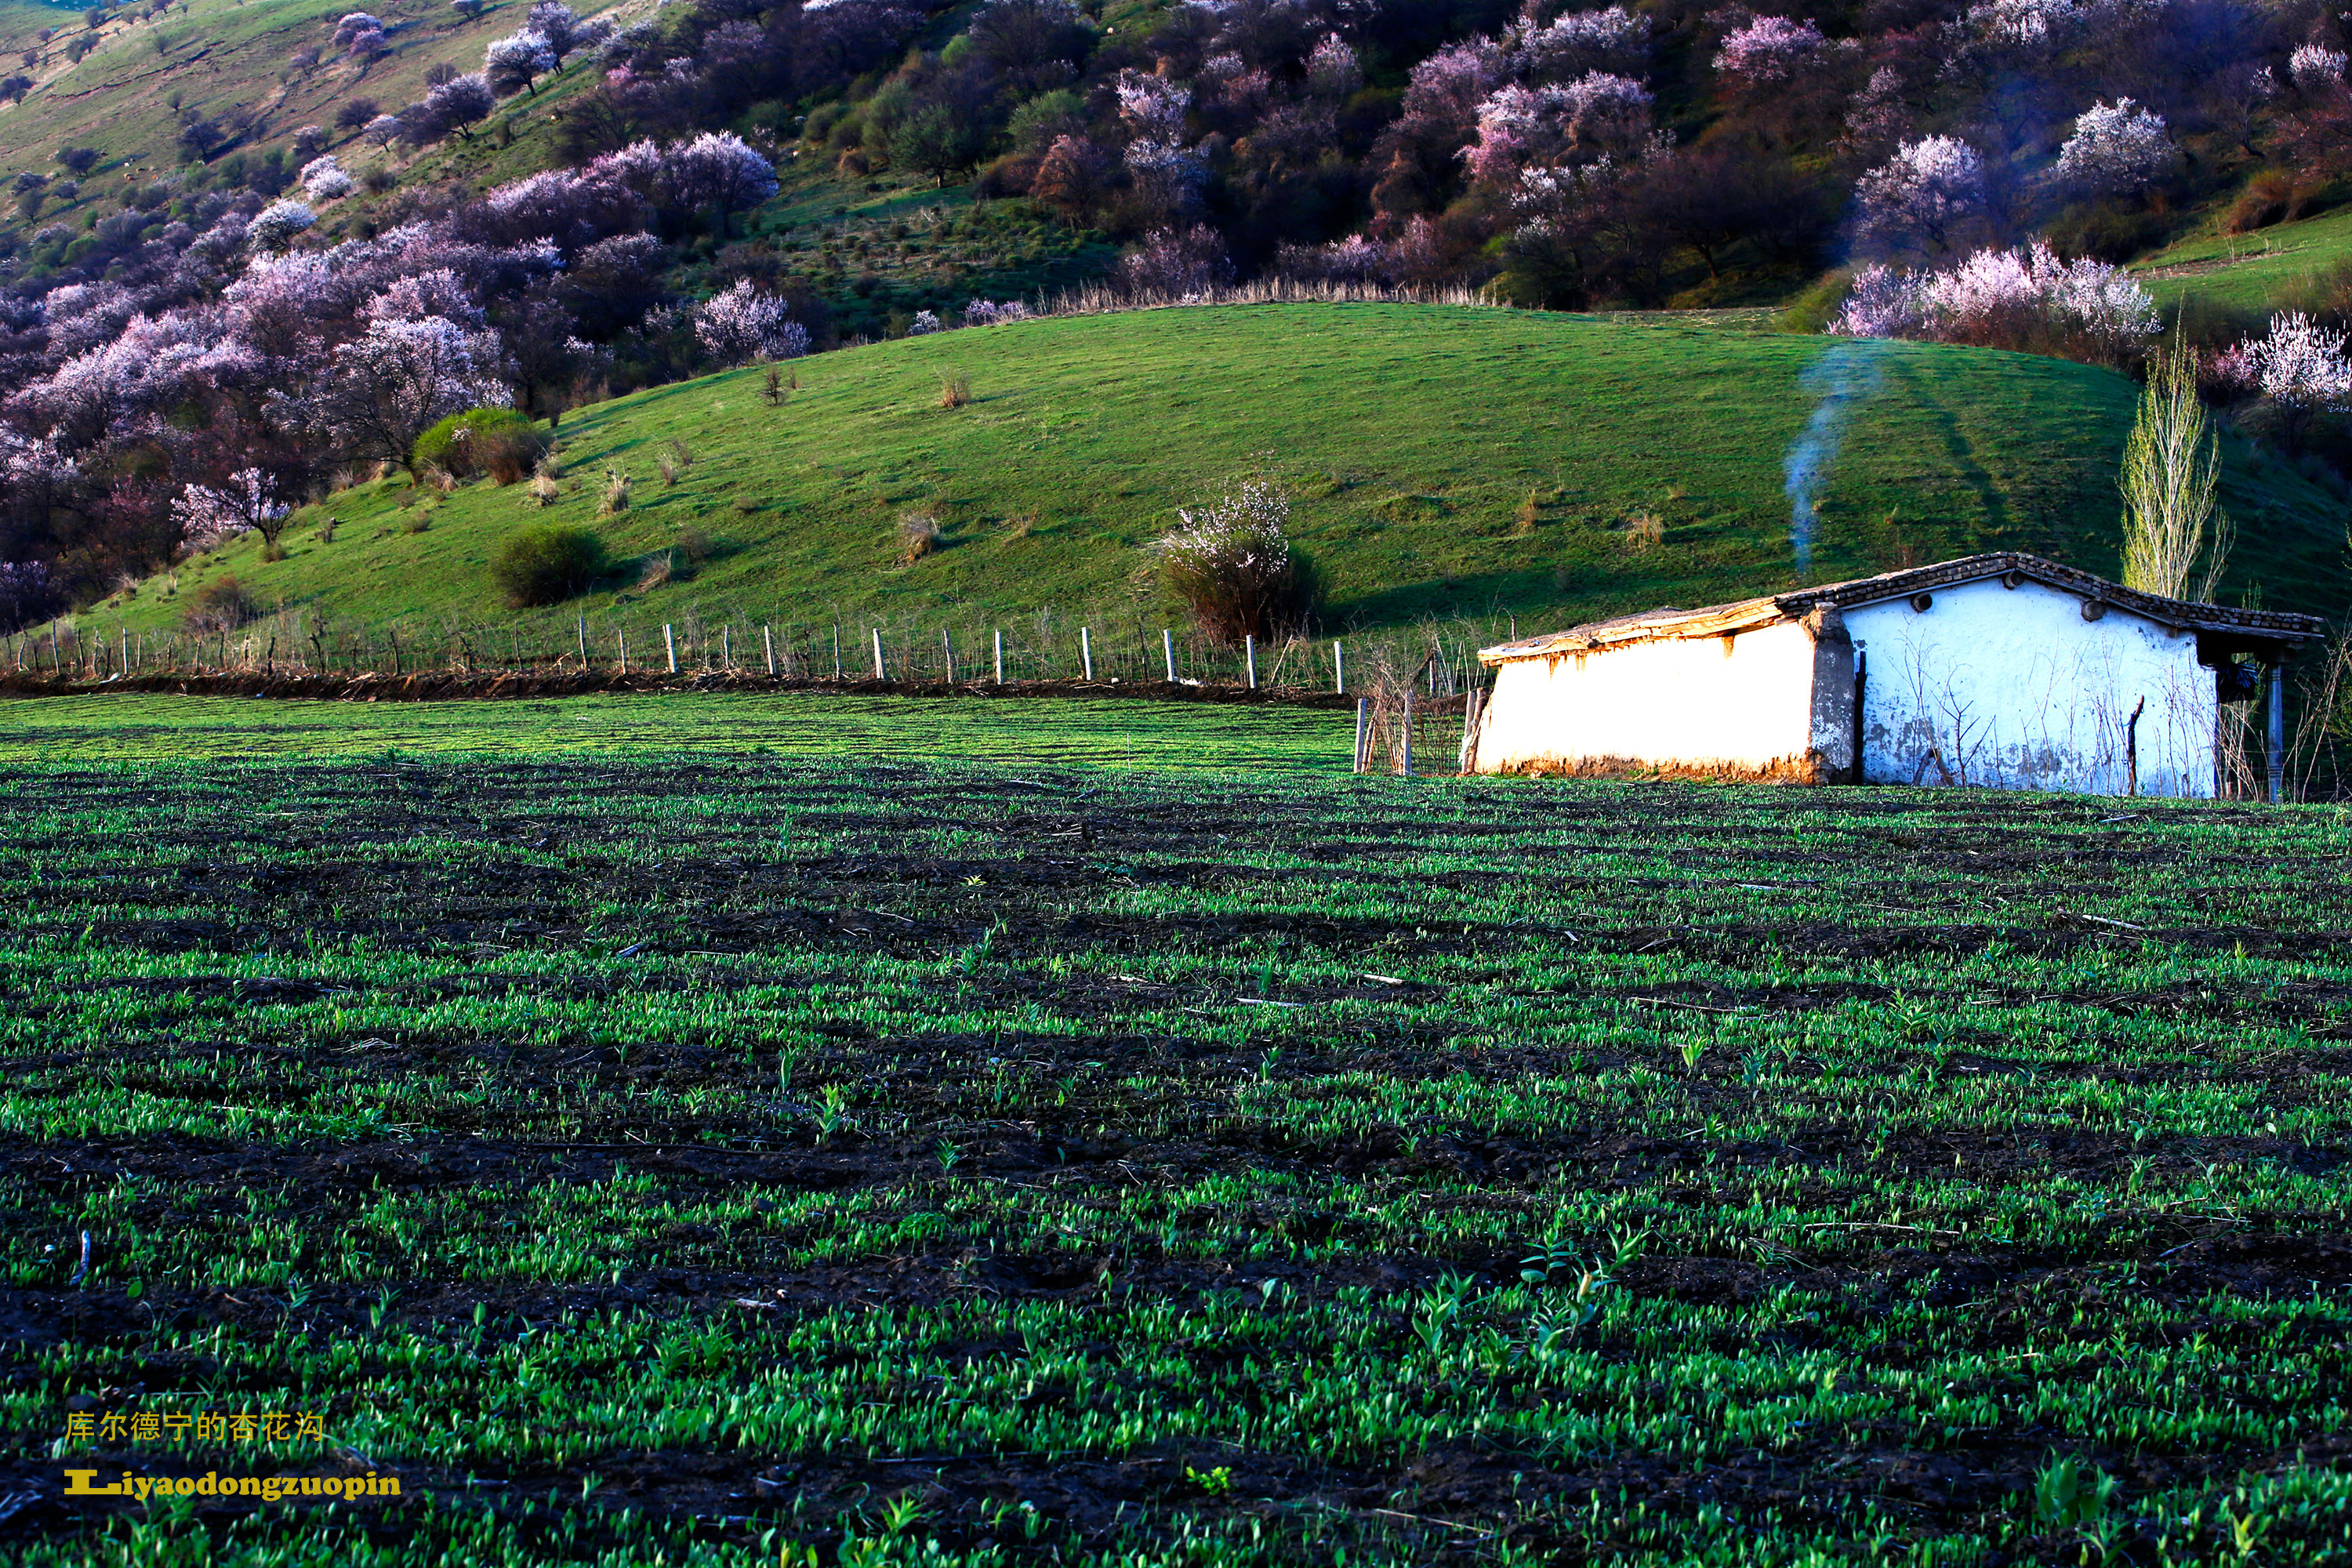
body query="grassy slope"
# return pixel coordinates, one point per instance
(1409, 437)
(2248, 272)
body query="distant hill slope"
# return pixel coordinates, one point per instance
(2251, 273)
(1442, 461)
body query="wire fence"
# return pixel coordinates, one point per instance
(1412, 683)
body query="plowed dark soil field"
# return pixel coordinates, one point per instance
(731, 1158)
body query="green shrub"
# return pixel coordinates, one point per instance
(499, 442)
(220, 606)
(540, 564)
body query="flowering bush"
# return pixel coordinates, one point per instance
(1231, 565)
(2298, 365)
(323, 179)
(744, 324)
(1922, 198)
(2026, 300)
(1355, 259)
(1173, 263)
(2316, 70)
(991, 312)
(248, 503)
(1332, 71)
(2115, 147)
(925, 323)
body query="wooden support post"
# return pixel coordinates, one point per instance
(727, 646)
(1471, 706)
(1338, 667)
(1407, 768)
(670, 646)
(1000, 657)
(768, 636)
(878, 655)
(947, 647)
(2131, 747)
(2274, 744)
(1168, 652)
(1363, 730)
(583, 629)
(1086, 652)
(1249, 658)
(623, 636)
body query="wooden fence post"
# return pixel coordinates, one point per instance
(1407, 768)
(583, 629)
(947, 645)
(768, 636)
(1168, 652)
(878, 655)
(727, 647)
(1249, 654)
(2274, 746)
(1338, 667)
(837, 650)
(669, 645)
(623, 636)
(1086, 653)
(1000, 657)
(1472, 706)
(1363, 730)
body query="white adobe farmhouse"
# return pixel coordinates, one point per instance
(2000, 671)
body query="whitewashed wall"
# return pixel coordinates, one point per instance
(1737, 706)
(2011, 689)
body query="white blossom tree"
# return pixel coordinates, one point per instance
(514, 64)
(744, 324)
(383, 389)
(275, 225)
(1767, 52)
(2115, 147)
(1924, 198)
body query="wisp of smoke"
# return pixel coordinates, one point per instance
(1840, 378)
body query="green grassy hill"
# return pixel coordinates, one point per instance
(1442, 461)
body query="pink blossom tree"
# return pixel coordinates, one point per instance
(246, 503)
(459, 105)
